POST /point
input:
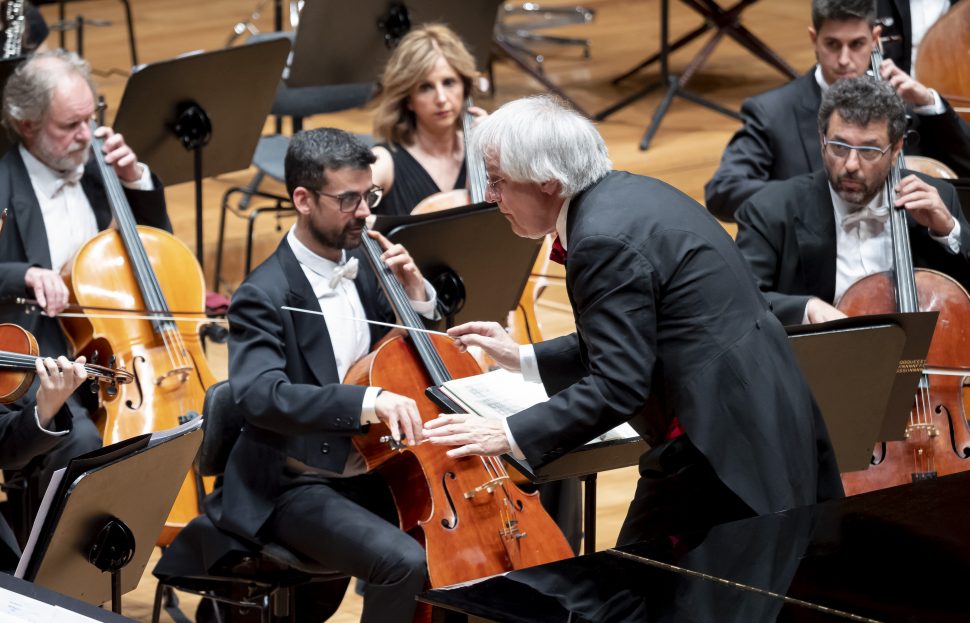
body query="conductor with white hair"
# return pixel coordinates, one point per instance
(672, 335)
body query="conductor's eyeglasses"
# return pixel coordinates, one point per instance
(349, 201)
(492, 186)
(841, 150)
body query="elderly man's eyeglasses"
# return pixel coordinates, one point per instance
(349, 201)
(492, 186)
(841, 150)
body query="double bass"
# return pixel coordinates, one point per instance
(117, 269)
(472, 520)
(937, 437)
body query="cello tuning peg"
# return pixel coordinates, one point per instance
(111, 390)
(94, 357)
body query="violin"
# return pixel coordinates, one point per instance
(936, 441)
(472, 520)
(135, 268)
(18, 356)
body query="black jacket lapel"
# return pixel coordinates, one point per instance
(27, 215)
(311, 329)
(815, 234)
(811, 99)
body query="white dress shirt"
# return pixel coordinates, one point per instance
(865, 249)
(340, 305)
(68, 217)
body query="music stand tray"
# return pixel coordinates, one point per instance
(344, 42)
(211, 104)
(470, 255)
(863, 373)
(108, 510)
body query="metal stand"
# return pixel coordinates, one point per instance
(64, 25)
(193, 129)
(113, 548)
(675, 84)
(589, 513)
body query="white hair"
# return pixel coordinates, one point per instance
(537, 139)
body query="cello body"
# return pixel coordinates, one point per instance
(937, 438)
(171, 372)
(469, 531)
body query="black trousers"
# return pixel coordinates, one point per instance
(678, 493)
(350, 525)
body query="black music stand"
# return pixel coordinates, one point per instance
(347, 42)
(863, 372)
(213, 104)
(727, 22)
(104, 512)
(471, 257)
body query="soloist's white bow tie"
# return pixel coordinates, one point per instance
(347, 270)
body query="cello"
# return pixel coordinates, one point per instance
(115, 269)
(937, 437)
(472, 520)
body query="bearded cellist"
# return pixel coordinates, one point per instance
(56, 203)
(294, 476)
(811, 237)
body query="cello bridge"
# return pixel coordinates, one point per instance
(487, 487)
(177, 375)
(929, 428)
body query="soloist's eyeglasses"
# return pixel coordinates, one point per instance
(841, 150)
(349, 201)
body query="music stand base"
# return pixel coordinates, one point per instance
(674, 88)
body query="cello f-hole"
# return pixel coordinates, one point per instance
(134, 369)
(452, 522)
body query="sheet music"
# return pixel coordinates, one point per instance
(35, 530)
(17, 608)
(501, 393)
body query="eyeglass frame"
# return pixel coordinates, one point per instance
(862, 150)
(375, 189)
(491, 185)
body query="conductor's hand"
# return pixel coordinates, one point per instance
(49, 289)
(399, 260)
(490, 337)
(58, 380)
(818, 311)
(400, 414)
(119, 155)
(473, 434)
(924, 204)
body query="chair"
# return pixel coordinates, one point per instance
(206, 561)
(295, 103)
(930, 166)
(63, 24)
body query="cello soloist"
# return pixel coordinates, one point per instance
(294, 476)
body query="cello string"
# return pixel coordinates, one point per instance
(147, 279)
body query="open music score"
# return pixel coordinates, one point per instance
(500, 393)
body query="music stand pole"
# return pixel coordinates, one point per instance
(675, 84)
